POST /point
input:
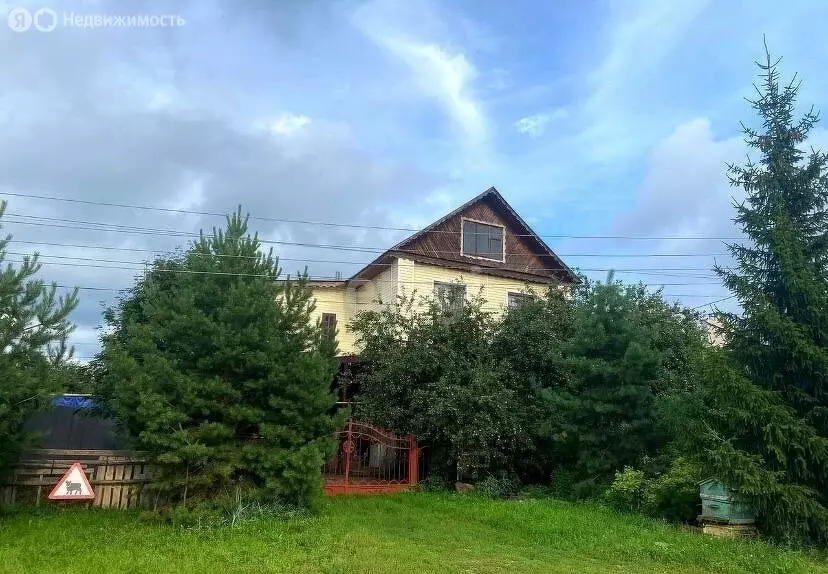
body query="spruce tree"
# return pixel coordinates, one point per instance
(34, 327)
(763, 429)
(780, 276)
(214, 367)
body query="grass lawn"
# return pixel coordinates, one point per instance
(402, 533)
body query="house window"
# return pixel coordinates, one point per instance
(450, 296)
(329, 324)
(518, 299)
(482, 240)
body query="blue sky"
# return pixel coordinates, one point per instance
(592, 118)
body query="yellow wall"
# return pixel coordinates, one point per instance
(405, 277)
(493, 290)
(335, 300)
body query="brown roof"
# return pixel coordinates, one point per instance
(528, 257)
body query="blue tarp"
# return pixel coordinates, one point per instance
(73, 401)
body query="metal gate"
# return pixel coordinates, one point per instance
(370, 460)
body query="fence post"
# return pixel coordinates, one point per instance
(348, 448)
(413, 461)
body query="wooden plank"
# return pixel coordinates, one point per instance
(117, 489)
(62, 453)
(118, 477)
(45, 482)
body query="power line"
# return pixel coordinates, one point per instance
(167, 251)
(346, 225)
(713, 302)
(266, 275)
(354, 248)
(641, 270)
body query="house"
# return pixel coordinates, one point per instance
(482, 247)
(715, 331)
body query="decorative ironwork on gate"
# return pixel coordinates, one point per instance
(370, 460)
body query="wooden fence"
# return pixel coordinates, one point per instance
(368, 461)
(117, 477)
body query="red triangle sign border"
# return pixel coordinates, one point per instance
(76, 465)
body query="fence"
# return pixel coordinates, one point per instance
(368, 461)
(117, 477)
(372, 461)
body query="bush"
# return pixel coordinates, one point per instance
(626, 493)
(434, 483)
(675, 494)
(499, 487)
(562, 484)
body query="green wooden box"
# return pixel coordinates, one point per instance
(721, 504)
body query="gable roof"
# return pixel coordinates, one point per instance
(521, 229)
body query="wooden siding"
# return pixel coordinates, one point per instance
(493, 290)
(334, 299)
(345, 300)
(443, 242)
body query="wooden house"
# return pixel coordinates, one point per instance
(481, 248)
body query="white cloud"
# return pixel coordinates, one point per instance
(440, 70)
(641, 39)
(685, 190)
(288, 124)
(448, 78)
(535, 126)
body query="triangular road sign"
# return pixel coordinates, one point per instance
(73, 485)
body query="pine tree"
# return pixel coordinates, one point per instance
(606, 411)
(780, 277)
(34, 327)
(214, 367)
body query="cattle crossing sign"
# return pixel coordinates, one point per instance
(73, 485)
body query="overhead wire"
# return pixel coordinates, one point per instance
(666, 271)
(354, 248)
(344, 225)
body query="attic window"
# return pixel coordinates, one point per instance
(483, 240)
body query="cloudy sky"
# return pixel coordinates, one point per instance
(605, 118)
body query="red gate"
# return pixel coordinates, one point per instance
(371, 461)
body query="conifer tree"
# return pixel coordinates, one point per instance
(780, 277)
(619, 359)
(764, 425)
(34, 327)
(214, 367)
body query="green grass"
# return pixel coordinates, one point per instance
(402, 533)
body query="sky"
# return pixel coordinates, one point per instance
(595, 120)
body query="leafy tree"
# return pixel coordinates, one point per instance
(431, 372)
(34, 327)
(531, 345)
(213, 366)
(780, 278)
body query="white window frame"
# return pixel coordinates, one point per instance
(463, 221)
